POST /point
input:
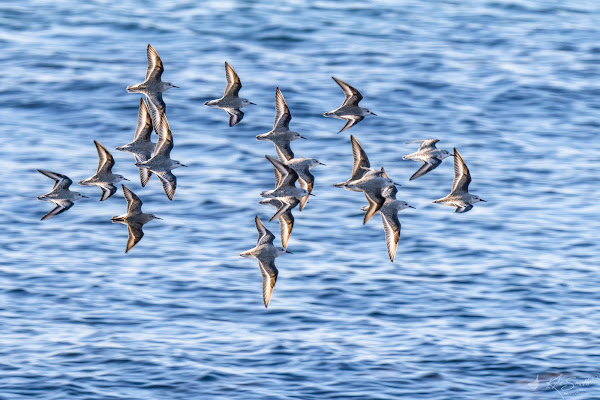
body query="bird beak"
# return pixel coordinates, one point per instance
(157, 218)
(125, 179)
(412, 207)
(183, 165)
(397, 184)
(452, 154)
(302, 137)
(289, 252)
(85, 196)
(252, 103)
(373, 113)
(176, 86)
(483, 200)
(310, 194)
(321, 163)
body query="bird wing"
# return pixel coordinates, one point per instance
(392, 227)
(462, 177)
(461, 210)
(264, 235)
(306, 184)
(374, 206)
(233, 81)
(282, 154)
(428, 144)
(145, 173)
(144, 123)
(61, 206)
(361, 161)
(169, 182)
(155, 65)
(288, 176)
(286, 224)
(269, 274)
(285, 150)
(235, 115)
(134, 235)
(282, 112)
(426, 167)
(157, 107)
(105, 159)
(134, 204)
(60, 181)
(353, 96)
(165, 137)
(107, 191)
(350, 122)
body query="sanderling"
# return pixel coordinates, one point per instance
(161, 163)
(265, 252)
(153, 87)
(104, 178)
(349, 110)
(429, 154)
(389, 217)
(460, 197)
(281, 135)
(284, 206)
(134, 218)
(285, 181)
(301, 166)
(372, 184)
(230, 101)
(142, 145)
(361, 163)
(60, 193)
(366, 179)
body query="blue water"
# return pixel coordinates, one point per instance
(475, 306)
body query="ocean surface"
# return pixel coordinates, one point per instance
(475, 306)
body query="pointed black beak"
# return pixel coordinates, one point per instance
(319, 162)
(412, 207)
(252, 103)
(289, 252)
(157, 218)
(302, 137)
(176, 86)
(483, 200)
(373, 113)
(310, 194)
(85, 196)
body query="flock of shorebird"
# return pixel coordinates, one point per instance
(379, 189)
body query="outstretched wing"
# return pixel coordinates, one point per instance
(353, 96)
(350, 122)
(391, 226)
(361, 161)
(60, 181)
(462, 177)
(286, 224)
(282, 112)
(135, 234)
(134, 204)
(155, 65)
(269, 274)
(105, 159)
(426, 167)
(264, 235)
(233, 81)
(169, 182)
(374, 206)
(61, 206)
(235, 115)
(143, 129)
